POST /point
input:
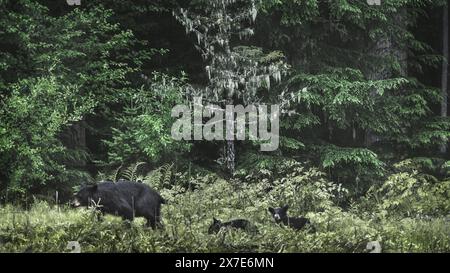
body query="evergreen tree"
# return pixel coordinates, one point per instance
(353, 83)
(234, 73)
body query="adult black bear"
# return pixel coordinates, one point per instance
(280, 216)
(124, 198)
(237, 224)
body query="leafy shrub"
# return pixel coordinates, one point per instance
(190, 211)
(411, 194)
(144, 128)
(32, 122)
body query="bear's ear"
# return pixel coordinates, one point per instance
(215, 221)
(285, 208)
(271, 210)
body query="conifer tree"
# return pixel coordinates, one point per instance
(235, 73)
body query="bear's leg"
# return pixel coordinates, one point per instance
(127, 214)
(158, 216)
(151, 221)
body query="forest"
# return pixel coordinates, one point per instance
(356, 93)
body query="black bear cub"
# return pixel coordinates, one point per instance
(280, 216)
(237, 224)
(123, 198)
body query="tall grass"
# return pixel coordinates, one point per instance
(46, 228)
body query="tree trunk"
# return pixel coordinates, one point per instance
(444, 84)
(74, 137)
(385, 47)
(79, 134)
(230, 157)
(230, 152)
(382, 48)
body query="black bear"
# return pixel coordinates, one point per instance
(280, 216)
(123, 198)
(237, 223)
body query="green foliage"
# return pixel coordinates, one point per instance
(30, 121)
(436, 167)
(349, 78)
(160, 177)
(71, 66)
(431, 134)
(91, 88)
(362, 158)
(413, 192)
(189, 213)
(144, 128)
(255, 167)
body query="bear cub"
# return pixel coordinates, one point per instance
(243, 224)
(280, 216)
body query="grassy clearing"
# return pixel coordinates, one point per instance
(46, 228)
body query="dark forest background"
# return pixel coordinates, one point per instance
(86, 93)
